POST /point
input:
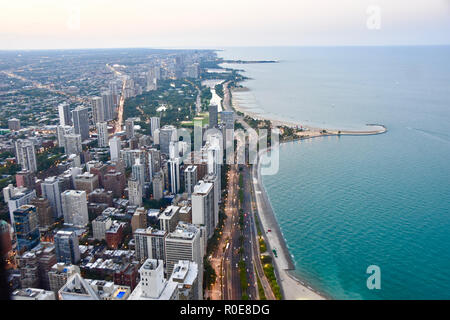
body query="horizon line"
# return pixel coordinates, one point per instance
(221, 48)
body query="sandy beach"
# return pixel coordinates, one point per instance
(292, 287)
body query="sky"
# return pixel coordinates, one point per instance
(62, 24)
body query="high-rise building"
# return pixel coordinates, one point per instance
(75, 209)
(215, 181)
(26, 155)
(44, 212)
(98, 110)
(138, 172)
(115, 181)
(190, 179)
(153, 285)
(169, 218)
(184, 244)
(81, 122)
(64, 114)
(167, 134)
(154, 124)
(135, 192)
(14, 124)
(26, 178)
(149, 244)
(73, 144)
(61, 132)
(158, 185)
(174, 175)
(114, 146)
(87, 182)
(77, 288)
(203, 206)
(139, 219)
(102, 133)
(67, 247)
(185, 273)
(129, 128)
(59, 274)
(213, 116)
(100, 225)
(26, 225)
(51, 190)
(17, 198)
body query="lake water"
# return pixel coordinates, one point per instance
(346, 203)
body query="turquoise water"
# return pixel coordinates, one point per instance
(346, 203)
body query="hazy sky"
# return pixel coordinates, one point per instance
(36, 24)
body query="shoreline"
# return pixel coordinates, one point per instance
(291, 286)
(310, 131)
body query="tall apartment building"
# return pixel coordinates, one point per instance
(158, 185)
(153, 285)
(26, 229)
(213, 116)
(59, 274)
(139, 219)
(174, 175)
(64, 114)
(44, 212)
(80, 118)
(86, 182)
(149, 244)
(203, 206)
(114, 147)
(190, 179)
(185, 274)
(167, 134)
(75, 209)
(184, 244)
(100, 225)
(154, 124)
(73, 144)
(51, 190)
(26, 155)
(169, 218)
(102, 133)
(135, 192)
(67, 247)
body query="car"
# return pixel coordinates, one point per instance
(269, 230)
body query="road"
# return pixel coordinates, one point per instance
(119, 122)
(226, 258)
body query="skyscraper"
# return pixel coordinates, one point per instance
(114, 147)
(154, 124)
(73, 144)
(64, 114)
(129, 128)
(67, 247)
(26, 227)
(98, 111)
(184, 244)
(75, 209)
(102, 133)
(166, 135)
(203, 206)
(149, 244)
(135, 192)
(158, 185)
(213, 116)
(26, 155)
(174, 175)
(81, 122)
(190, 179)
(51, 190)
